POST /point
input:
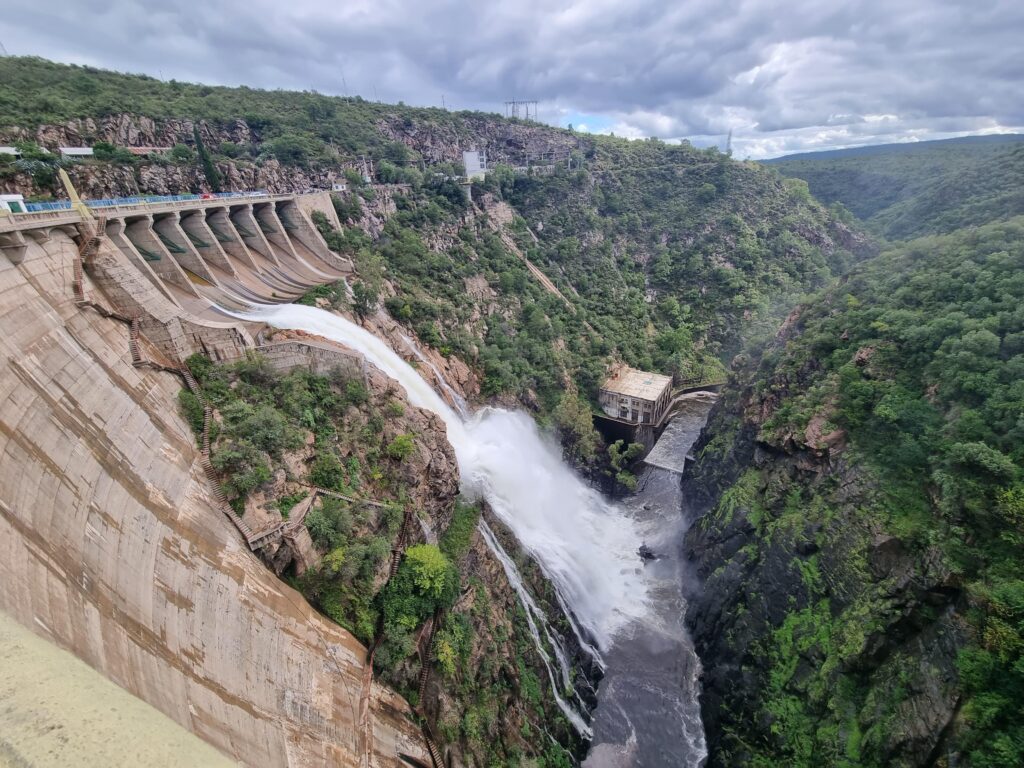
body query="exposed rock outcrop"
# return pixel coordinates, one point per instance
(819, 632)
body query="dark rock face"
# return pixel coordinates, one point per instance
(825, 639)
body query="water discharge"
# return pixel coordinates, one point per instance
(586, 546)
(648, 710)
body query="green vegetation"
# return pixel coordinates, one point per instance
(456, 540)
(918, 358)
(265, 417)
(209, 169)
(576, 422)
(296, 128)
(618, 239)
(621, 458)
(426, 582)
(909, 190)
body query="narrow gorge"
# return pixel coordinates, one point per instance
(339, 433)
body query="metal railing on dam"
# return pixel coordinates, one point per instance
(63, 214)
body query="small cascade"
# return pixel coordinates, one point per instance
(535, 616)
(672, 450)
(454, 398)
(428, 535)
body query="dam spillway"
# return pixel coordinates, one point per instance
(111, 545)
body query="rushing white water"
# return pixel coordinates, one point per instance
(586, 546)
(535, 616)
(455, 399)
(672, 450)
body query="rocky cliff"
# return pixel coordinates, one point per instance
(859, 495)
(434, 142)
(822, 635)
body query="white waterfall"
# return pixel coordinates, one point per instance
(586, 546)
(454, 397)
(535, 616)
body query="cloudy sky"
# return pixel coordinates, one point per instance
(783, 75)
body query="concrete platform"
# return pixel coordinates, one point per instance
(57, 711)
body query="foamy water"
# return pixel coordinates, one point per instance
(586, 546)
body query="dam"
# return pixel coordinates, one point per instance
(113, 543)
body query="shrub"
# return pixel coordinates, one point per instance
(432, 571)
(327, 471)
(426, 582)
(330, 526)
(245, 466)
(180, 153)
(264, 426)
(456, 539)
(400, 448)
(356, 392)
(192, 409)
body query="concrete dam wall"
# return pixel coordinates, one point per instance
(111, 542)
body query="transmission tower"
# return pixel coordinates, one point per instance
(728, 143)
(527, 110)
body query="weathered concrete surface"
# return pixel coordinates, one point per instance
(58, 711)
(110, 547)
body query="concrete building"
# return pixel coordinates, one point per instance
(12, 203)
(76, 151)
(637, 397)
(475, 164)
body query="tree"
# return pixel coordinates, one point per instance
(365, 296)
(432, 572)
(576, 422)
(209, 169)
(621, 459)
(181, 153)
(400, 448)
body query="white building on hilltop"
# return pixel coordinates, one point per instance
(475, 164)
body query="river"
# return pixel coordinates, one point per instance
(648, 711)
(629, 614)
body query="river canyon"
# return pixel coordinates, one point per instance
(626, 613)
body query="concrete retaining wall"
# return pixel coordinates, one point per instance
(321, 359)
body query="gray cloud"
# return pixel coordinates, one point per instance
(784, 76)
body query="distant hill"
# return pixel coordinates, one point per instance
(907, 148)
(929, 187)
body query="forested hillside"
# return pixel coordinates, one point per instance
(863, 482)
(666, 256)
(298, 127)
(909, 190)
